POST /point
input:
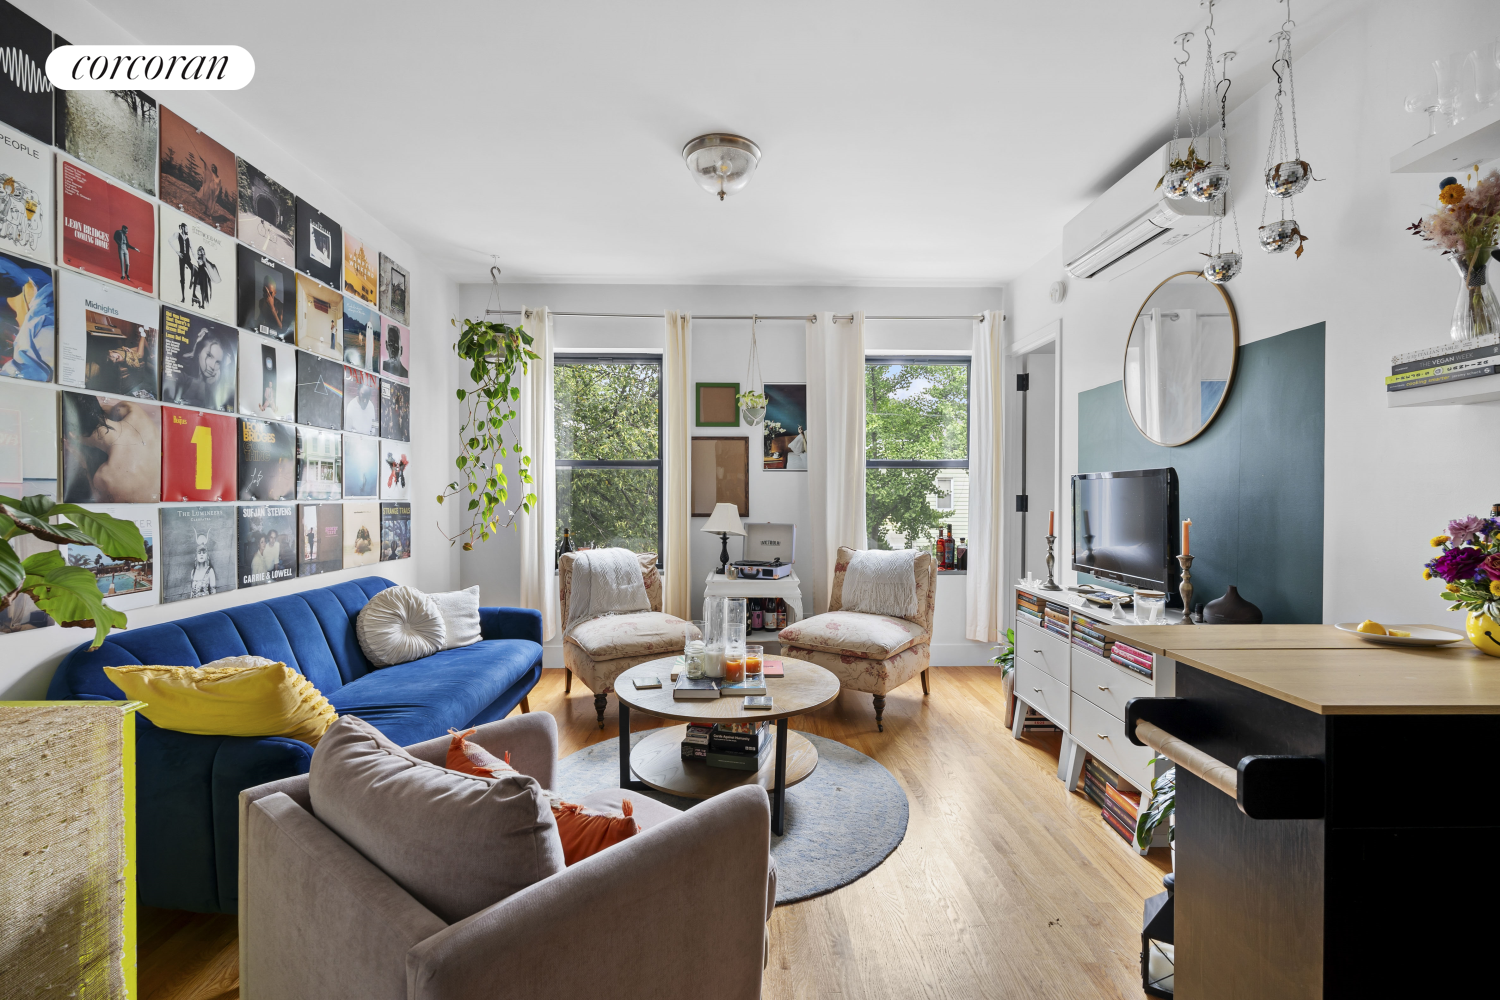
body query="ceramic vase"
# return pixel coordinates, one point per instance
(1484, 632)
(1232, 609)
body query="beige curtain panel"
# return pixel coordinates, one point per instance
(986, 575)
(677, 492)
(534, 428)
(835, 444)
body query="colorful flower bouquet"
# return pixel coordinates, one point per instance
(1467, 227)
(1469, 565)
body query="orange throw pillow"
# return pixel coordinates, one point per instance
(585, 834)
(471, 758)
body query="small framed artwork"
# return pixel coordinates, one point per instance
(720, 474)
(718, 404)
(784, 442)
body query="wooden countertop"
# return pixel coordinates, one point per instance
(1329, 672)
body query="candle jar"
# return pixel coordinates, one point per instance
(1154, 604)
(736, 617)
(693, 651)
(755, 658)
(713, 636)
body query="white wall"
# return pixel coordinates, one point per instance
(720, 353)
(28, 659)
(1393, 477)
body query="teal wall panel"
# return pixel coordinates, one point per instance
(1252, 483)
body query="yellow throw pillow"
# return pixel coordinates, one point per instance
(236, 696)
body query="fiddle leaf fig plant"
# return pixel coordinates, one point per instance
(1163, 804)
(70, 594)
(497, 354)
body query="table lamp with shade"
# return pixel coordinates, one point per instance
(724, 521)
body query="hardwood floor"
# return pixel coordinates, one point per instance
(1006, 886)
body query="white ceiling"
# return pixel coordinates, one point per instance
(940, 143)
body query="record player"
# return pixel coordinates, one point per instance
(770, 550)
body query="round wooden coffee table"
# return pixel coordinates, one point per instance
(657, 760)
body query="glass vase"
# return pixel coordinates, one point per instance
(1477, 313)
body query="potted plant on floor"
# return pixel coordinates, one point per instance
(69, 594)
(1162, 809)
(1007, 662)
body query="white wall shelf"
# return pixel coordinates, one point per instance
(1471, 390)
(1454, 149)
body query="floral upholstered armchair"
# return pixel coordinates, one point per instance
(870, 653)
(601, 649)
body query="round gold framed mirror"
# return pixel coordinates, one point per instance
(1180, 358)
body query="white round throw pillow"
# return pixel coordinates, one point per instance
(399, 624)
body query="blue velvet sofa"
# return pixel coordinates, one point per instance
(187, 787)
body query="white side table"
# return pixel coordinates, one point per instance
(788, 588)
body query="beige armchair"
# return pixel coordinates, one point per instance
(871, 653)
(318, 920)
(600, 650)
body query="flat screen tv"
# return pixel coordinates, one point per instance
(1123, 527)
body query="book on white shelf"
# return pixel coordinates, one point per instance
(1447, 347)
(1437, 376)
(1457, 355)
(699, 689)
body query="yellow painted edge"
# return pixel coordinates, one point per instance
(128, 951)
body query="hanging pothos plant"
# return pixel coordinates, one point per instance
(70, 594)
(496, 354)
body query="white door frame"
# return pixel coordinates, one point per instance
(1051, 333)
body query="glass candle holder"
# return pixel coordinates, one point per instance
(693, 652)
(1150, 607)
(755, 658)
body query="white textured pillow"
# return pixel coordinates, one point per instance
(460, 611)
(399, 624)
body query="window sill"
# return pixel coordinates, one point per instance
(952, 572)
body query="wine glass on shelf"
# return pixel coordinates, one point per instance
(1449, 93)
(1426, 103)
(1487, 75)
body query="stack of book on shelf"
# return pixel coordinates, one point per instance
(1029, 607)
(1038, 723)
(1055, 618)
(739, 746)
(1131, 659)
(1120, 802)
(1086, 634)
(1448, 362)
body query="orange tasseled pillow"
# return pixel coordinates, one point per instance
(585, 834)
(471, 758)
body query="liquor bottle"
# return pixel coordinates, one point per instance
(937, 552)
(780, 614)
(950, 551)
(963, 554)
(566, 545)
(757, 615)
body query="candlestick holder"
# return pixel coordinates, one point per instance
(1051, 584)
(1185, 588)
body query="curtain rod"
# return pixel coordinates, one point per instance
(806, 319)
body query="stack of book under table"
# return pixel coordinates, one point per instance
(738, 746)
(1120, 803)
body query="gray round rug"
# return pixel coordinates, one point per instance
(843, 821)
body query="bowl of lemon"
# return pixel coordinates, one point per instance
(1401, 635)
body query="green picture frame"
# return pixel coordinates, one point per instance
(719, 406)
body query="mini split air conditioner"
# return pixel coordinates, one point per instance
(1134, 221)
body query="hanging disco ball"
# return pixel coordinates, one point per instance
(1287, 179)
(1221, 267)
(1207, 184)
(1174, 182)
(1279, 236)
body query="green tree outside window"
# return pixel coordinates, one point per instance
(914, 412)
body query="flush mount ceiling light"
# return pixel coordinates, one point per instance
(721, 163)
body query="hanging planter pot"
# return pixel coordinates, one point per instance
(1174, 183)
(1289, 178)
(753, 416)
(1280, 236)
(1207, 184)
(1221, 267)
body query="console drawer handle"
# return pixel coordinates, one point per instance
(1037, 690)
(1103, 687)
(1036, 651)
(1101, 736)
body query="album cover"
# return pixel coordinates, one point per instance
(361, 533)
(107, 337)
(395, 470)
(268, 378)
(267, 295)
(320, 392)
(361, 405)
(394, 282)
(395, 410)
(198, 175)
(25, 91)
(199, 460)
(268, 215)
(361, 466)
(28, 441)
(112, 130)
(268, 543)
(267, 461)
(395, 531)
(320, 472)
(360, 276)
(111, 449)
(361, 335)
(395, 351)
(125, 583)
(26, 174)
(104, 229)
(320, 546)
(197, 551)
(22, 614)
(320, 318)
(199, 361)
(28, 319)
(196, 266)
(320, 245)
